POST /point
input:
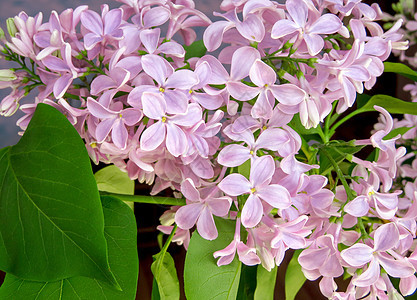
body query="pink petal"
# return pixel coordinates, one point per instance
(408, 285)
(189, 190)
(55, 64)
(282, 28)
(207, 101)
(312, 259)
(112, 20)
(98, 110)
(92, 21)
(252, 28)
(276, 195)
(357, 255)
(176, 141)
(262, 74)
(131, 116)
(332, 267)
(386, 237)
(241, 91)
(154, 106)
(315, 43)
(150, 39)
(219, 206)
(245, 54)
(153, 136)
(61, 85)
(227, 254)
(247, 255)
(262, 170)
(156, 67)
(358, 207)
(213, 35)
(119, 134)
(396, 268)
(172, 49)
(176, 101)
(370, 276)
(186, 216)
(182, 79)
(298, 11)
(190, 118)
(235, 185)
(288, 94)
(272, 139)
(326, 24)
(101, 83)
(252, 211)
(262, 107)
(205, 225)
(103, 129)
(233, 155)
(156, 16)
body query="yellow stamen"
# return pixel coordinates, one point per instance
(264, 127)
(93, 145)
(164, 119)
(251, 152)
(120, 115)
(266, 85)
(371, 193)
(161, 90)
(252, 190)
(190, 91)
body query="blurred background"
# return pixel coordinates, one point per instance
(148, 215)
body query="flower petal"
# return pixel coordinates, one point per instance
(276, 195)
(153, 136)
(235, 185)
(252, 211)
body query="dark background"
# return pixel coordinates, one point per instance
(147, 215)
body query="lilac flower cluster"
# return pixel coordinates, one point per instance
(220, 130)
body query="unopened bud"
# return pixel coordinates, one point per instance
(11, 27)
(7, 75)
(287, 45)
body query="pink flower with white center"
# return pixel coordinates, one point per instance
(102, 28)
(264, 77)
(307, 30)
(201, 210)
(385, 239)
(247, 255)
(114, 121)
(321, 259)
(65, 68)
(234, 155)
(171, 86)
(51, 40)
(258, 188)
(154, 107)
(150, 39)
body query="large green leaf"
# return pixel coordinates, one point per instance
(247, 283)
(120, 231)
(203, 279)
(51, 220)
(265, 283)
(391, 104)
(400, 69)
(165, 274)
(294, 277)
(111, 179)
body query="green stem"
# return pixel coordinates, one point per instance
(147, 199)
(169, 240)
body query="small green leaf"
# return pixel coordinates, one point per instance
(397, 131)
(196, 49)
(391, 104)
(265, 283)
(165, 274)
(111, 179)
(120, 231)
(51, 219)
(294, 277)
(247, 284)
(244, 169)
(400, 69)
(203, 279)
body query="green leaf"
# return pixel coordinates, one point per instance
(397, 131)
(391, 104)
(203, 279)
(111, 179)
(244, 169)
(51, 219)
(165, 274)
(339, 150)
(120, 231)
(400, 69)
(294, 277)
(265, 283)
(247, 284)
(196, 49)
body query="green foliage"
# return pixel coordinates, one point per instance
(397, 131)
(247, 284)
(265, 283)
(203, 279)
(400, 69)
(51, 220)
(391, 104)
(339, 150)
(196, 49)
(111, 179)
(294, 277)
(165, 275)
(120, 231)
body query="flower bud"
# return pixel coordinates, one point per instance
(7, 75)
(11, 27)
